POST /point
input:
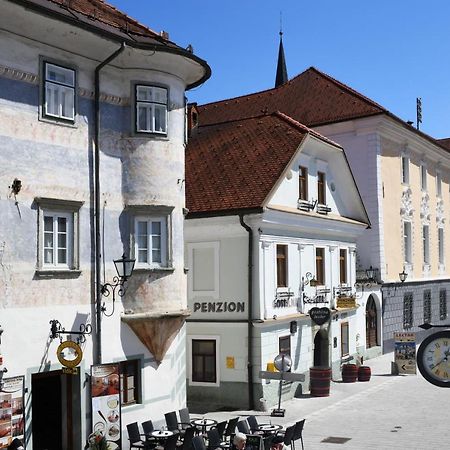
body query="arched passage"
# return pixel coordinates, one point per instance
(371, 323)
(321, 348)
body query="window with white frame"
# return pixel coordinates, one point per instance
(151, 109)
(57, 234)
(282, 265)
(441, 245)
(405, 169)
(204, 271)
(423, 177)
(407, 242)
(426, 243)
(344, 339)
(343, 266)
(438, 184)
(151, 241)
(204, 367)
(58, 92)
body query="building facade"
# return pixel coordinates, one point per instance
(92, 138)
(272, 207)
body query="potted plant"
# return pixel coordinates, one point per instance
(96, 441)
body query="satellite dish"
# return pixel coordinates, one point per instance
(283, 362)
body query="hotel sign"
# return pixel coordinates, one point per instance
(219, 307)
(346, 302)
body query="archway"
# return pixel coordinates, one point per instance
(371, 323)
(321, 348)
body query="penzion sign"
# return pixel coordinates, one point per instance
(219, 307)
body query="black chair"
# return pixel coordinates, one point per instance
(148, 428)
(298, 433)
(221, 428)
(135, 437)
(171, 442)
(214, 439)
(253, 423)
(231, 428)
(187, 439)
(243, 427)
(289, 435)
(198, 443)
(172, 422)
(185, 419)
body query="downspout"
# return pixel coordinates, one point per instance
(251, 400)
(96, 211)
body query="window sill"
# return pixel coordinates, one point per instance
(153, 136)
(154, 269)
(57, 273)
(55, 121)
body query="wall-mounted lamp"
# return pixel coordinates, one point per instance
(308, 279)
(16, 186)
(403, 275)
(370, 273)
(124, 269)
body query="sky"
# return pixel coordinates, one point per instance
(392, 51)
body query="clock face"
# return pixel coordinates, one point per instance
(433, 358)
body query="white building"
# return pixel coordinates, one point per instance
(272, 205)
(92, 138)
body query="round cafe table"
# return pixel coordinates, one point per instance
(204, 423)
(268, 428)
(161, 434)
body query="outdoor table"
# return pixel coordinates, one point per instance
(204, 423)
(161, 435)
(268, 428)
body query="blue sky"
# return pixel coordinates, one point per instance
(390, 50)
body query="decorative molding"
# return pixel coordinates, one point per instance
(406, 209)
(425, 208)
(440, 214)
(16, 74)
(105, 98)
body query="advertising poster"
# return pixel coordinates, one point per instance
(12, 419)
(405, 352)
(105, 394)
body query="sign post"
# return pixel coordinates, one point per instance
(405, 352)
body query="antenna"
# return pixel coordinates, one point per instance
(419, 111)
(281, 23)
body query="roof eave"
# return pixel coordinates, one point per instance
(224, 212)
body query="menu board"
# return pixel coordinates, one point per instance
(105, 393)
(12, 419)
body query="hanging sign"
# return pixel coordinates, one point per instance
(346, 302)
(69, 354)
(320, 315)
(405, 352)
(12, 418)
(106, 406)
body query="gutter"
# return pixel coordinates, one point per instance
(97, 208)
(251, 400)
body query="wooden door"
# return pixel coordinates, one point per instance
(371, 323)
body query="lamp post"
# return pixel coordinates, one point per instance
(403, 275)
(124, 268)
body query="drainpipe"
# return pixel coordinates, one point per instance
(97, 207)
(251, 400)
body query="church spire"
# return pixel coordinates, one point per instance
(281, 76)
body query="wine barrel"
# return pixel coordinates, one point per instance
(320, 378)
(349, 373)
(364, 373)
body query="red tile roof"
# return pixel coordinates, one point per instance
(312, 98)
(234, 165)
(445, 143)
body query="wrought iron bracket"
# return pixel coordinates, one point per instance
(56, 331)
(117, 287)
(427, 326)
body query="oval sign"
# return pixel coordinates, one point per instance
(320, 315)
(71, 363)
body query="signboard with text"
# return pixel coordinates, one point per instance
(106, 405)
(405, 352)
(12, 418)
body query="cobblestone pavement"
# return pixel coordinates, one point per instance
(388, 412)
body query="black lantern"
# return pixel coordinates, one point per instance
(403, 275)
(370, 273)
(124, 268)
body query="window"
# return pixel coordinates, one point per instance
(59, 92)
(152, 236)
(130, 382)
(320, 266)
(203, 263)
(407, 249)
(408, 310)
(57, 234)
(423, 177)
(344, 339)
(426, 243)
(204, 360)
(438, 184)
(282, 265)
(321, 184)
(405, 169)
(303, 183)
(427, 306)
(443, 304)
(151, 109)
(343, 265)
(441, 245)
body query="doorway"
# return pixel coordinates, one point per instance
(321, 348)
(56, 411)
(371, 323)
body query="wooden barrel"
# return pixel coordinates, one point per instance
(349, 373)
(320, 378)
(364, 373)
